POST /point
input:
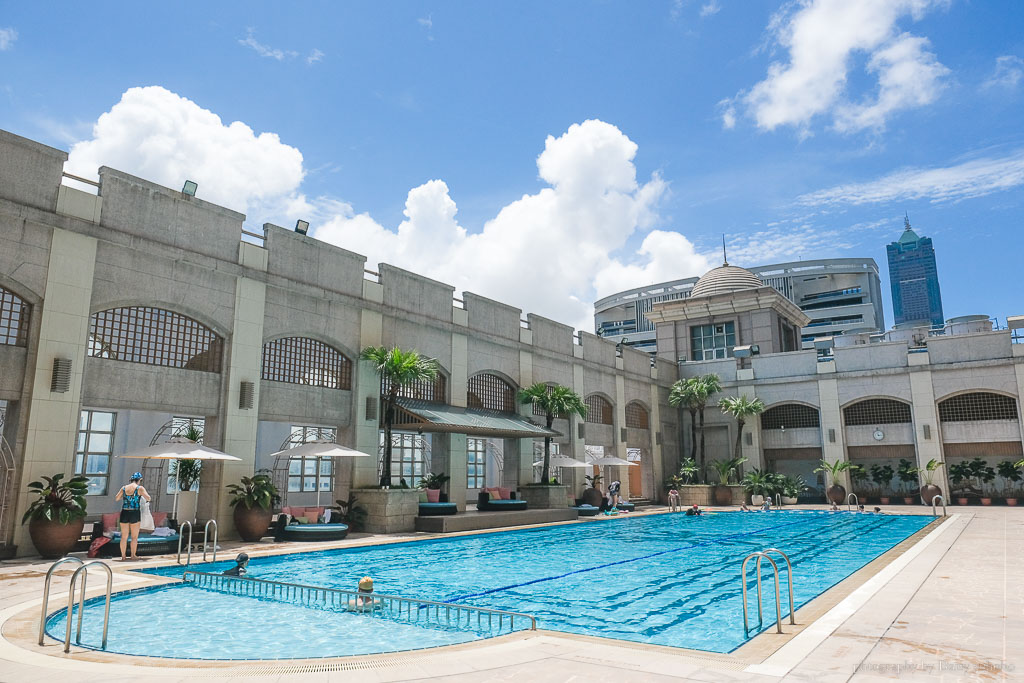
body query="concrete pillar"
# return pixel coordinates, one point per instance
(52, 427)
(448, 455)
(657, 461)
(245, 359)
(367, 386)
(831, 418)
(926, 419)
(574, 477)
(618, 423)
(457, 446)
(522, 457)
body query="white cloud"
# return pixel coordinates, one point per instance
(315, 56)
(710, 8)
(7, 38)
(265, 50)
(822, 37)
(426, 22)
(967, 180)
(165, 138)
(1008, 73)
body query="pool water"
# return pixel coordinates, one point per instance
(660, 579)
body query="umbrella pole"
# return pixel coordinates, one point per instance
(317, 480)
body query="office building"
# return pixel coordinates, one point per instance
(914, 279)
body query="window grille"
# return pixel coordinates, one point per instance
(636, 416)
(476, 459)
(303, 473)
(599, 411)
(154, 336)
(301, 360)
(491, 392)
(94, 448)
(14, 314)
(792, 415)
(435, 390)
(877, 411)
(709, 342)
(980, 405)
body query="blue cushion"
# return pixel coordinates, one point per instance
(316, 528)
(143, 539)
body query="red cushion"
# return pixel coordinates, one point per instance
(110, 521)
(505, 494)
(160, 518)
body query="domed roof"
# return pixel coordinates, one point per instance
(725, 279)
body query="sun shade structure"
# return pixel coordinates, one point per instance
(562, 461)
(179, 448)
(610, 460)
(425, 416)
(321, 448)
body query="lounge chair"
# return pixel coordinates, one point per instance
(485, 502)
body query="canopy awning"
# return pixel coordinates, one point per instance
(424, 416)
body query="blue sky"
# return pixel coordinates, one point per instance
(545, 154)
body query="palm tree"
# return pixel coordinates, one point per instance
(397, 369)
(684, 395)
(556, 401)
(741, 408)
(706, 386)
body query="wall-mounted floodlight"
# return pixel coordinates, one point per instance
(824, 343)
(746, 351)
(189, 189)
(301, 227)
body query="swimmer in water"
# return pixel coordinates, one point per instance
(241, 562)
(364, 601)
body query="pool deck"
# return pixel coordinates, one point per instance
(948, 605)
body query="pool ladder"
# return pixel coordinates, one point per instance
(935, 498)
(849, 505)
(765, 555)
(83, 569)
(206, 541)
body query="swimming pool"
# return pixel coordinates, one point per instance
(660, 579)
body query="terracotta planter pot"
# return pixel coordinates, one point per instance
(1011, 502)
(908, 500)
(884, 500)
(592, 497)
(961, 501)
(836, 493)
(53, 539)
(986, 501)
(251, 523)
(928, 492)
(723, 495)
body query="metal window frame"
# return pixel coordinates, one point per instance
(85, 452)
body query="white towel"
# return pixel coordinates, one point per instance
(147, 523)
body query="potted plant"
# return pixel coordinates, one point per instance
(1010, 471)
(252, 501)
(183, 477)
(56, 517)
(593, 480)
(433, 483)
(836, 492)
(960, 480)
(861, 482)
(693, 394)
(759, 485)
(350, 513)
(906, 472)
(553, 400)
(725, 469)
(882, 476)
(792, 487)
(930, 490)
(983, 474)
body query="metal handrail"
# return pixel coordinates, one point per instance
(789, 576)
(778, 500)
(181, 537)
(83, 570)
(778, 598)
(935, 498)
(206, 538)
(414, 609)
(850, 495)
(46, 592)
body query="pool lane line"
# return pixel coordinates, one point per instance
(620, 562)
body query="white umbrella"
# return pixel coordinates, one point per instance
(321, 448)
(561, 461)
(610, 460)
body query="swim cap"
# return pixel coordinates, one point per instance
(242, 557)
(136, 476)
(366, 583)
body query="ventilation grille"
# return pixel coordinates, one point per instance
(371, 407)
(246, 395)
(581, 430)
(60, 380)
(622, 434)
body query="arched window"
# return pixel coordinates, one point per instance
(877, 411)
(491, 392)
(792, 415)
(14, 314)
(435, 391)
(301, 360)
(599, 410)
(154, 336)
(636, 416)
(980, 405)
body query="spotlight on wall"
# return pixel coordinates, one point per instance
(746, 351)
(189, 189)
(301, 227)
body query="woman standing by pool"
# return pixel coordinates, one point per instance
(131, 495)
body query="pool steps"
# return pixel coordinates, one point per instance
(410, 610)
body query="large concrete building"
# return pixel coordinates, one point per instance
(133, 310)
(914, 279)
(838, 295)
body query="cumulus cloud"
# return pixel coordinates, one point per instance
(315, 56)
(975, 178)
(165, 138)
(822, 37)
(710, 8)
(1008, 73)
(265, 50)
(7, 38)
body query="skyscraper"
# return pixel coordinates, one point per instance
(914, 278)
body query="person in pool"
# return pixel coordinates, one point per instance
(694, 511)
(834, 508)
(744, 508)
(241, 562)
(131, 495)
(365, 600)
(766, 506)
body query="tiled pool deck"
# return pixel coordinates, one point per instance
(947, 605)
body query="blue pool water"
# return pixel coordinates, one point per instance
(661, 579)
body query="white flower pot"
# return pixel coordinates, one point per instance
(756, 499)
(788, 501)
